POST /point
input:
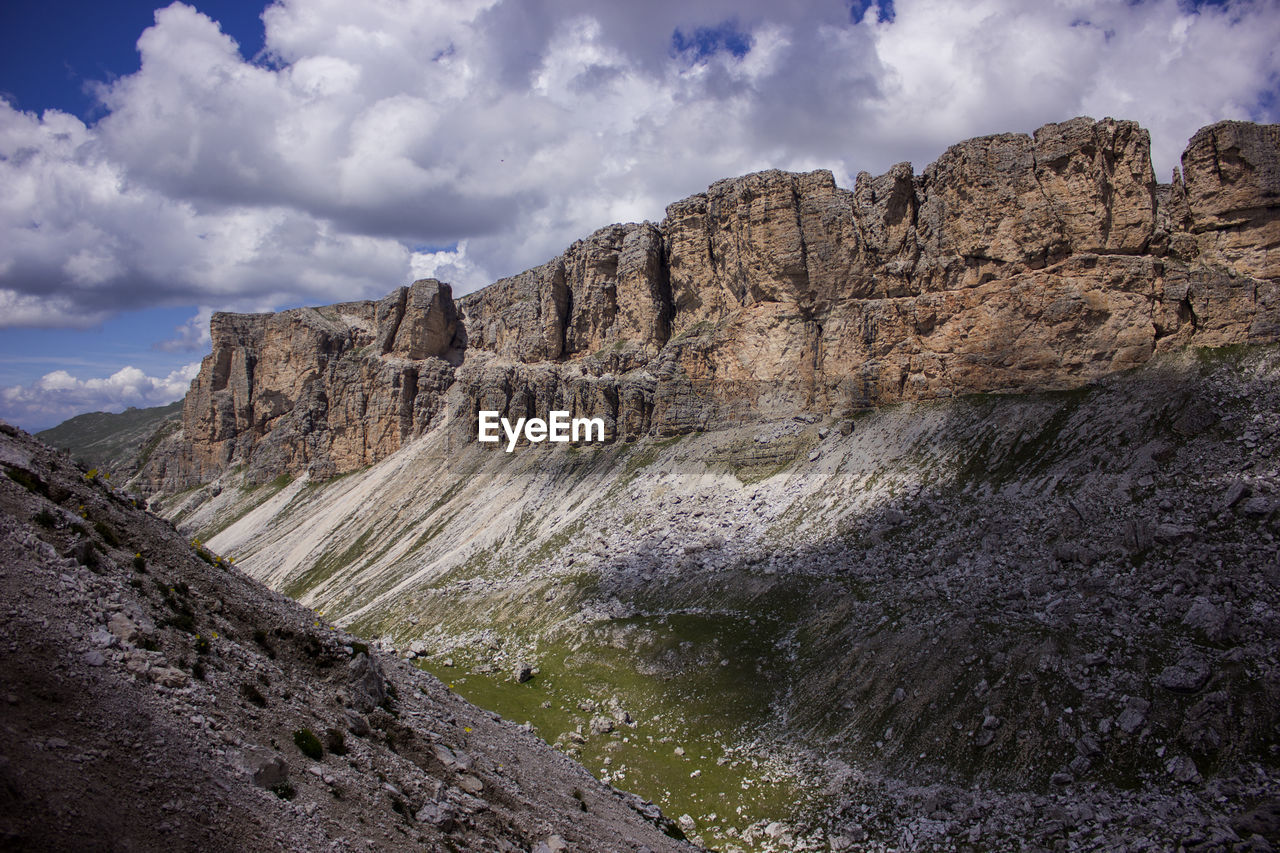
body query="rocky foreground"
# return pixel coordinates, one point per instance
(152, 697)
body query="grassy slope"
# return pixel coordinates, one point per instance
(112, 442)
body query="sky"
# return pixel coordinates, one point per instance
(159, 163)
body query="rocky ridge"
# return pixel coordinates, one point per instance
(1013, 263)
(156, 698)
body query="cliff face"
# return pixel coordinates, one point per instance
(1012, 263)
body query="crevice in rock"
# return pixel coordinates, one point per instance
(666, 300)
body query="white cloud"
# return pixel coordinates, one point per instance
(59, 395)
(191, 336)
(509, 128)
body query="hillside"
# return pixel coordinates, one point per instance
(116, 443)
(940, 618)
(155, 698)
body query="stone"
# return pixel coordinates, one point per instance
(366, 683)
(94, 658)
(523, 672)
(1236, 492)
(553, 844)
(1190, 673)
(267, 771)
(1258, 506)
(1207, 618)
(439, 815)
(355, 722)
(1088, 746)
(123, 629)
(1183, 770)
(1133, 716)
(168, 676)
(1262, 820)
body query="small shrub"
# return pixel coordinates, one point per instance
(139, 563)
(335, 741)
(252, 694)
(260, 637)
(284, 790)
(108, 535)
(358, 648)
(27, 480)
(309, 744)
(87, 554)
(44, 518)
(202, 645)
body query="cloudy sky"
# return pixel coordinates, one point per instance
(157, 164)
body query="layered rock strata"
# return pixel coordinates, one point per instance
(1012, 263)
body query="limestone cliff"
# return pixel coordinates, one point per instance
(1012, 263)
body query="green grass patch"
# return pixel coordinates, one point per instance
(698, 686)
(328, 565)
(308, 744)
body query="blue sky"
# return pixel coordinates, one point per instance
(53, 54)
(55, 51)
(158, 162)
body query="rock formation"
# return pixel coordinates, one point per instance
(1012, 263)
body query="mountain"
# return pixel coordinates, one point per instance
(1013, 263)
(940, 512)
(118, 444)
(155, 698)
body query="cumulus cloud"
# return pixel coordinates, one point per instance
(495, 132)
(59, 395)
(191, 336)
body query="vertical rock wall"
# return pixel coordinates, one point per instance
(1013, 262)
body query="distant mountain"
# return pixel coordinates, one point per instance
(116, 443)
